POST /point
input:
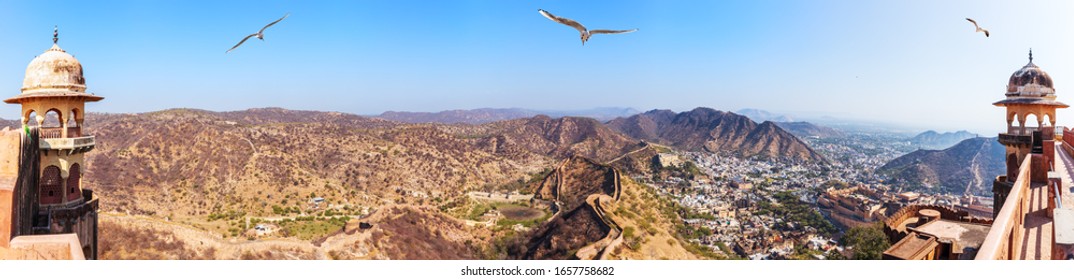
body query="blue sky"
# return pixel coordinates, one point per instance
(909, 62)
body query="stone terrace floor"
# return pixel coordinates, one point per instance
(1037, 242)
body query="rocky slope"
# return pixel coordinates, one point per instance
(194, 163)
(475, 116)
(968, 166)
(487, 115)
(206, 172)
(561, 138)
(705, 129)
(599, 215)
(411, 233)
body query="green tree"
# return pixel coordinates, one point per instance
(868, 242)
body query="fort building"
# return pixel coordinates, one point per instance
(45, 213)
(854, 206)
(1032, 216)
(1030, 100)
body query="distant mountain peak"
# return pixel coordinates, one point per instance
(806, 129)
(707, 129)
(970, 165)
(759, 115)
(933, 140)
(487, 115)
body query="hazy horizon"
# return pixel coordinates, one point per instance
(915, 63)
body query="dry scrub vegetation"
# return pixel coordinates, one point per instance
(116, 242)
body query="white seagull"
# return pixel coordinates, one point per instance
(585, 32)
(260, 33)
(979, 29)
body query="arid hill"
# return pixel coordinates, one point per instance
(559, 138)
(705, 129)
(575, 180)
(602, 215)
(475, 116)
(207, 174)
(487, 115)
(194, 163)
(969, 166)
(411, 233)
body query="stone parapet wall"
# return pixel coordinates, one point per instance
(891, 224)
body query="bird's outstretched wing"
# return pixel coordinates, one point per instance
(605, 31)
(274, 22)
(974, 22)
(240, 42)
(563, 20)
(985, 31)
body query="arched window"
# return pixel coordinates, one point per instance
(51, 191)
(31, 118)
(52, 125)
(73, 129)
(73, 179)
(1015, 124)
(1032, 122)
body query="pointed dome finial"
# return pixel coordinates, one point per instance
(55, 34)
(1030, 55)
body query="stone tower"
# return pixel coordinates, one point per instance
(53, 103)
(1031, 106)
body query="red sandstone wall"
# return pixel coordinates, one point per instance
(10, 141)
(5, 216)
(1038, 171)
(1068, 137)
(1049, 153)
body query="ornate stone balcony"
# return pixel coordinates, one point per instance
(57, 132)
(72, 145)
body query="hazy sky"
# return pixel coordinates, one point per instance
(912, 62)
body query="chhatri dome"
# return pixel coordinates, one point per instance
(54, 73)
(1024, 80)
(1030, 85)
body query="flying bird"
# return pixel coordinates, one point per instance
(260, 33)
(979, 29)
(585, 32)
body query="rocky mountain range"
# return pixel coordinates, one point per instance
(487, 115)
(156, 162)
(705, 129)
(560, 137)
(204, 169)
(967, 167)
(192, 162)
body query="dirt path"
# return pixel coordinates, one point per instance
(646, 146)
(974, 168)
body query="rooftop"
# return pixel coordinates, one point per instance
(965, 238)
(912, 247)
